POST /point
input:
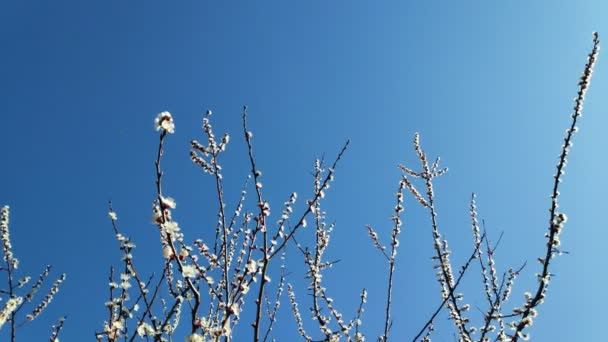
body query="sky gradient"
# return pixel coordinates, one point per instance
(488, 85)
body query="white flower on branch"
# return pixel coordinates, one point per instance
(144, 330)
(167, 252)
(9, 308)
(252, 266)
(164, 121)
(167, 202)
(4, 231)
(194, 338)
(189, 271)
(170, 227)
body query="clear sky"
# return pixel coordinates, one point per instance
(488, 84)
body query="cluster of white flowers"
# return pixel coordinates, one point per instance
(374, 236)
(145, 329)
(396, 218)
(208, 161)
(296, 312)
(285, 217)
(168, 202)
(164, 121)
(252, 266)
(47, 299)
(170, 228)
(189, 271)
(125, 284)
(56, 329)
(10, 306)
(113, 330)
(194, 338)
(412, 188)
(23, 281)
(5, 235)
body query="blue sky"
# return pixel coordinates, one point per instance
(489, 86)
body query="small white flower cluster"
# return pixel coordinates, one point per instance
(557, 225)
(208, 161)
(47, 299)
(23, 281)
(145, 330)
(171, 237)
(164, 122)
(194, 338)
(396, 218)
(113, 330)
(6, 241)
(56, 328)
(204, 250)
(296, 312)
(413, 189)
(374, 236)
(10, 306)
(179, 301)
(287, 211)
(210, 329)
(189, 271)
(272, 313)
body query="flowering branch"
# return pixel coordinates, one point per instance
(15, 302)
(557, 219)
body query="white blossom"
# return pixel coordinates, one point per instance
(168, 202)
(194, 338)
(189, 271)
(164, 121)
